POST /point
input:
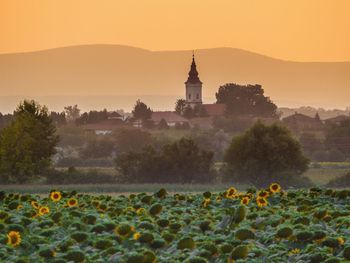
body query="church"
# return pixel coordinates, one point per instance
(193, 98)
(193, 94)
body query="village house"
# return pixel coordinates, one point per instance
(171, 118)
(104, 127)
(337, 120)
(299, 123)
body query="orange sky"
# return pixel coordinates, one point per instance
(302, 30)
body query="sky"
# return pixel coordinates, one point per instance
(298, 30)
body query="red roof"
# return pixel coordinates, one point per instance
(215, 109)
(168, 116)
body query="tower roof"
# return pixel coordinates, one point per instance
(193, 73)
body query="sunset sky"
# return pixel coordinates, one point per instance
(300, 30)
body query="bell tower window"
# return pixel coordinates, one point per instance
(189, 96)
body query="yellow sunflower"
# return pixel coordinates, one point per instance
(141, 211)
(206, 202)
(13, 238)
(341, 241)
(35, 204)
(55, 196)
(44, 210)
(275, 188)
(72, 202)
(231, 192)
(263, 194)
(261, 201)
(294, 251)
(245, 201)
(136, 236)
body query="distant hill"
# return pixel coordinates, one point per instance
(127, 72)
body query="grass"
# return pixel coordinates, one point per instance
(319, 175)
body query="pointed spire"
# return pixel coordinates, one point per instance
(193, 74)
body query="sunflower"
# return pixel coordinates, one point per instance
(13, 238)
(206, 202)
(44, 210)
(19, 207)
(141, 211)
(261, 201)
(136, 236)
(230, 193)
(294, 251)
(341, 241)
(55, 196)
(35, 204)
(275, 188)
(124, 230)
(218, 199)
(263, 194)
(245, 200)
(72, 202)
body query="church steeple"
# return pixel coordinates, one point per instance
(193, 73)
(193, 86)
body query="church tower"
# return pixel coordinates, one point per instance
(193, 86)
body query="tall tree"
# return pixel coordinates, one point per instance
(141, 111)
(180, 106)
(72, 112)
(265, 154)
(246, 100)
(27, 144)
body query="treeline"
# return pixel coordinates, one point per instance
(334, 146)
(28, 143)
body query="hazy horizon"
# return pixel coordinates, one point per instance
(314, 30)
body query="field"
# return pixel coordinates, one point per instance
(270, 225)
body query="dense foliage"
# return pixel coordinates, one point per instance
(245, 100)
(266, 226)
(27, 143)
(264, 154)
(141, 111)
(178, 162)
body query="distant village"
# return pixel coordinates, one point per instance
(297, 122)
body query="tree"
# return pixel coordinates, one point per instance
(338, 137)
(178, 162)
(311, 144)
(180, 106)
(141, 111)
(245, 100)
(187, 162)
(58, 119)
(98, 148)
(72, 113)
(265, 154)
(188, 112)
(27, 144)
(129, 139)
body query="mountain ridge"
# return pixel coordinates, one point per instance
(119, 70)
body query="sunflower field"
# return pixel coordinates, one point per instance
(268, 225)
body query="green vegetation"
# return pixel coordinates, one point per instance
(27, 144)
(272, 225)
(246, 100)
(178, 162)
(264, 154)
